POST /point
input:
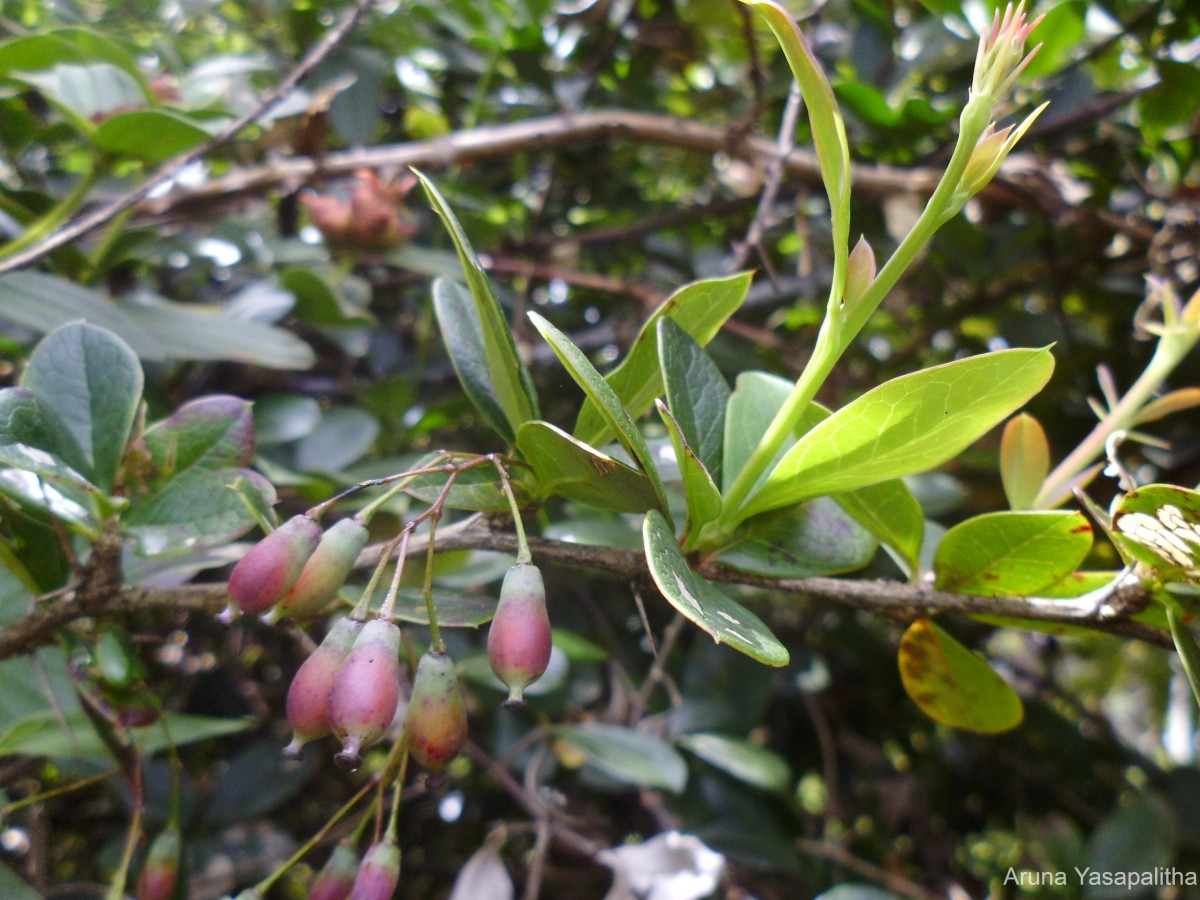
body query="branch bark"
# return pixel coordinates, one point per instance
(893, 599)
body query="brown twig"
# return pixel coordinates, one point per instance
(90, 221)
(894, 599)
(838, 854)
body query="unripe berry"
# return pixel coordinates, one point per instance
(268, 571)
(379, 873)
(160, 873)
(362, 702)
(437, 716)
(324, 573)
(308, 695)
(336, 879)
(519, 637)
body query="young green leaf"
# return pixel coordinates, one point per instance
(1024, 460)
(627, 755)
(696, 393)
(724, 620)
(149, 135)
(818, 538)
(906, 425)
(756, 398)
(569, 468)
(87, 384)
(700, 308)
(478, 337)
(1011, 553)
(954, 686)
(892, 514)
(601, 393)
(703, 498)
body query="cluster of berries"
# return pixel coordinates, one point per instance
(350, 685)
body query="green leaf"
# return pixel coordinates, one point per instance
(58, 489)
(149, 135)
(1024, 461)
(1189, 653)
(1159, 525)
(746, 762)
(1011, 553)
(214, 432)
(697, 394)
(1173, 101)
(198, 508)
(828, 130)
(83, 93)
(87, 384)
(628, 755)
(1140, 836)
(341, 438)
(601, 393)
(700, 308)
(321, 301)
(489, 344)
(818, 538)
(954, 686)
(572, 469)
(68, 45)
(703, 498)
(71, 735)
(453, 609)
(475, 489)
(891, 513)
(724, 620)
(906, 425)
(756, 398)
(14, 887)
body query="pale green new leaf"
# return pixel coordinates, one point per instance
(910, 424)
(601, 393)
(628, 755)
(700, 309)
(703, 498)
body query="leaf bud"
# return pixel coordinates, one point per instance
(437, 716)
(308, 695)
(264, 575)
(362, 701)
(324, 573)
(519, 640)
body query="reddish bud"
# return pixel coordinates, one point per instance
(362, 702)
(308, 695)
(379, 873)
(519, 638)
(437, 715)
(268, 571)
(160, 873)
(336, 879)
(324, 573)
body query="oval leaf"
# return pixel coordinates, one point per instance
(703, 498)
(907, 425)
(818, 538)
(1024, 460)
(725, 621)
(602, 394)
(954, 686)
(150, 135)
(696, 394)
(1011, 553)
(628, 755)
(746, 762)
(1159, 525)
(572, 469)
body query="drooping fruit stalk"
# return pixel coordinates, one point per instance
(519, 641)
(336, 879)
(362, 701)
(437, 716)
(264, 575)
(379, 873)
(308, 695)
(160, 873)
(324, 573)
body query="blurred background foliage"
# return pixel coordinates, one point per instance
(338, 349)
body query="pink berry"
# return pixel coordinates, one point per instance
(519, 637)
(324, 573)
(264, 575)
(308, 695)
(437, 716)
(362, 701)
(335, 880)
(160, 873)
(379, 873)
